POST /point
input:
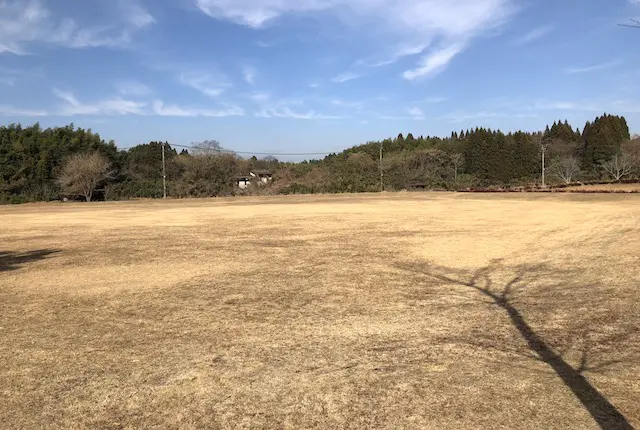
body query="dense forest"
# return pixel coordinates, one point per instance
(48, 164)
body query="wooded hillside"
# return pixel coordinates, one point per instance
(32, 159)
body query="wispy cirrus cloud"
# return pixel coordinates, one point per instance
(396, 54)
(593, 68)
(162, 109)
(208, 84)
(135, 13)
(533, 35)
(289, 113)
(416, 113)
(437, 29)
(269, 106)
(259, 96)
(412, 113)
(434, 62)
(13, 111)
(265, 44)
(110, 106)
(345, 77)
(134, 88)
(23, 23)
(250, 74)
(118, 106)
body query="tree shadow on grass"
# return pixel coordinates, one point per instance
(15, 260)
(503, 295)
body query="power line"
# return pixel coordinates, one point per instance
(230, 151)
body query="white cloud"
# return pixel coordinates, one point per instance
(136, 14)
(250, 75)
(533, 35)
(255, 13)
(205, 83)
(14, 111)
(264, 44)
(415, 112)
(134, 88)
(288, 113)
(576, 106)
(159, 108)
(259, 96)
(399, 53)
(345, 77)
(434, 62)
(269, 106)
(412, 25)
(111, 106)
(593, 68)
(27, 22)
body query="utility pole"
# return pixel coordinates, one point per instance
(544, 168)
(164, 175)
(381, 172)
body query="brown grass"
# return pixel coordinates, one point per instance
(373, 311)
(604, 188)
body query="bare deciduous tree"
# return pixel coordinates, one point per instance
(619, 166)
(209, 147)
(566, 168)
(82, 173)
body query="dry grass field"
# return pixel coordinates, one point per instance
(628, 188)
(389, 311)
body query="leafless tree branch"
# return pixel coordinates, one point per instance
(83, 173)
(619, 166)
(566, 169)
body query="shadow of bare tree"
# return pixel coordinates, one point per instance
(503, 295)
(15, 260)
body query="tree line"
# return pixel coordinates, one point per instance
(47, 164)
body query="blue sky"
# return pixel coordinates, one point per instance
(314, 75)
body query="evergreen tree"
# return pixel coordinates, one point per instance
(602, 139)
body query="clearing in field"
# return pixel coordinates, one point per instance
(378, 311)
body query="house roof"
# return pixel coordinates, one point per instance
(263, 172)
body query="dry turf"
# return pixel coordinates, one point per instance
(375, 311)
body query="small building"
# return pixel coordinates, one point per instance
(243, 182)
(264, 176)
